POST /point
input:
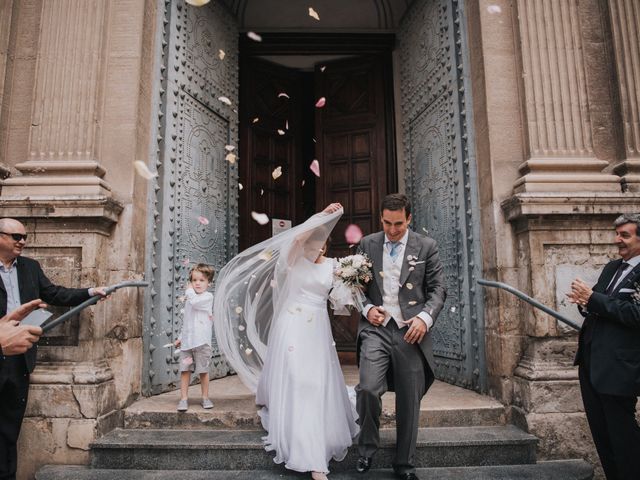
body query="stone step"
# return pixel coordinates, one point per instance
(234, 408)
(150, 449)
(555, 470)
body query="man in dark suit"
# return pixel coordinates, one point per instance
(22, 280)
(394, 346)
(609, 354)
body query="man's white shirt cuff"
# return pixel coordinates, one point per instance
(426, 318)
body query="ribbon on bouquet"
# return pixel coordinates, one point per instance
(344, 299)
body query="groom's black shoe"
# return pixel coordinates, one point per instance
(407, 476)
(364, 464)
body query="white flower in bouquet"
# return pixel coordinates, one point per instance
(351, 274)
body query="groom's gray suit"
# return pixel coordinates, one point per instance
(386, 360)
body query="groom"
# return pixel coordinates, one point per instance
(394, 345)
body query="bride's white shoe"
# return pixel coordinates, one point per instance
(319, 476)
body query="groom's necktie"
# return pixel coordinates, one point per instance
(394, 249)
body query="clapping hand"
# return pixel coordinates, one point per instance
(15, 338)
(580, 292)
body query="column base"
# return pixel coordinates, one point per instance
(629, 170)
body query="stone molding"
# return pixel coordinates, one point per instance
(560, 144)
(625, 22)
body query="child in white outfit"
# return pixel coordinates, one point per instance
(195, 337)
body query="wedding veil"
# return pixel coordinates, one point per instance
(252, 288)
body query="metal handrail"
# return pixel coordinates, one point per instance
(49, 324)
(529, 300)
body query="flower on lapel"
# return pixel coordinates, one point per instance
(635, 296)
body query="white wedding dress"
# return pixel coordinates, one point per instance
(306, 409)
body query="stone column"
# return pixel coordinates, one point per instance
(625, 23)
(560, 153)
(66, 104)
(6, 9)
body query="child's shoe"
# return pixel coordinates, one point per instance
(206, 403)
(183, 406)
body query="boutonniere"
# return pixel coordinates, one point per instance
(635, 296)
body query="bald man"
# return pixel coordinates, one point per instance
(22, 280)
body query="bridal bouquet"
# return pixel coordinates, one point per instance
(350, 276)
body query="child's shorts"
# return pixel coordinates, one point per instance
(196, 360)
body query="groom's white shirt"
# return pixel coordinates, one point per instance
(391, 269)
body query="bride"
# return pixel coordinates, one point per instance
(271, 322)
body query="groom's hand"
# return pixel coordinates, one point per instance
(417, 330)
(375, 315)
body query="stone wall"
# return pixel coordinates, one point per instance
(75, 110)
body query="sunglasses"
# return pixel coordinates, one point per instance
(16, 236)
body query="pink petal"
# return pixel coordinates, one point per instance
(321, 102)
(315, 168)
(353, 234)
(203, 220)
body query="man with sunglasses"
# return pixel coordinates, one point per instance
(22, 280)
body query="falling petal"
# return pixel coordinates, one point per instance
(197, 3)
(353, 234)
(225, 100)
(315, 167)
(281, 132)
(381, 273)
(303, 182)
(176, 351)
(286, 124)
(283, 95)
(229, 148)
(254, 36)
(290, 348)
(425, 230)
(494, 9)
(238, 310)
(410, 286)
(241, 328)
(255, 120)
(265, 255)
(240, 187)
(453, 309)
(231, 158)
(248, 351)
(314, 140)
(412, 302)
(185, 262)
(221, 54)
(313, 13)
(167, 345)
(277, 173)
(143, 170)
(323, 68)
(273, 284)
(203, 220)
(321, 102)
(261, 191)
(261, 218)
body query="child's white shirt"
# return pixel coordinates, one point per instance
(197, 322)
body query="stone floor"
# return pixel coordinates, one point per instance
(444, 405)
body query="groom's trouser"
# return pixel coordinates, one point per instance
(382, 348)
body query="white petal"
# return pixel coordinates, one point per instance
(229, 148)
(241, 328)
(255, 120)
(248, 351)
(494, 9)
(261, 218)
(197, 3)
(412, 302)
(240, 187)
(313, 13)
(221, 54)
(225, 100)
(281, 132)
(254, 36)
(277, 173)
(143, 170)
(410, 286)
(231, 158)
(238, 310)
(283, 95)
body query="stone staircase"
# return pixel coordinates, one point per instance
(462, 436)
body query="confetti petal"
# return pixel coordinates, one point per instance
(453, 309)
(286, 124)
(314, 14)
(321, 102)
(225, 100)
(283, 95)
(231, 158)
(382, 274)
(197, 3)
(248, 351)
(221, 54)
(412, 302)
(494, 9)
(291, 348)
(425, 230)
(254, 36)
(240, 187)
(323, 68)
(255, 120)
(143, 170)
(353, 234)
(167, 345)
(185, 262)
(229, 148)
(303, 182)
(241, 328)
(277, 173)
(315, 167)
(281, 132)
(410, 286)
(261, 191)
(261, 218)
(203, 220)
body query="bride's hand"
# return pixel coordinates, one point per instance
(333, 207)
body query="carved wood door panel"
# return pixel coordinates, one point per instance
(195, 194)
(354, 146)
(440, 175)
(270, 137)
